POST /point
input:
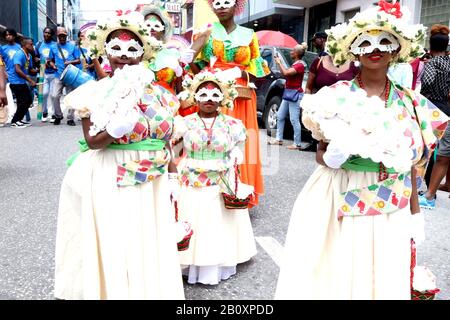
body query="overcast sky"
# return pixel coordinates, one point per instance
(99, 9)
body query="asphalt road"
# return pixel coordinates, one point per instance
(32, 166)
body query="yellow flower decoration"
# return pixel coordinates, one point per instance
(165, 75)
(380, 204)
(345, 208)
(436, 114)
(407, 193)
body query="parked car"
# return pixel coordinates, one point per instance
(270, 89)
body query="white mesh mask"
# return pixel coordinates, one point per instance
(206, 94)
(125, 46)
(154, 24)
(226, 4)
(375, 38)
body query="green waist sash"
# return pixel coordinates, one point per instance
(207, 155)
(144, 145)
(364, 165)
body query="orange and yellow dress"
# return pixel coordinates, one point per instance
(240, 48)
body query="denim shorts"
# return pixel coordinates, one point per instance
(444, 144)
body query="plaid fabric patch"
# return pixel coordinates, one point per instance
(140, 171)
(382, 198)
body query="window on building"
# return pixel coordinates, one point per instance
(434, 12)
(350, 14)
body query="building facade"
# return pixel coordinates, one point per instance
(322, 14)
(270, 15)
(28, 17)
(68, 16)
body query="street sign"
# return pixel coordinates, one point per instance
(173, 7)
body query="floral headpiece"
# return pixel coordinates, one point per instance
(95, 40)
(226, 86)
(389, 17)
(240, 6)
(162, 13)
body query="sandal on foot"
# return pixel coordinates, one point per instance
(275, 142)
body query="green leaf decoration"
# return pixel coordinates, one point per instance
(389, 182)
(333, 49)
(361, 25)
(423, 125)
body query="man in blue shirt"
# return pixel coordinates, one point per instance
(64, 53)
(18, 82)
(86, 64)
(43, 49)
(9, 50)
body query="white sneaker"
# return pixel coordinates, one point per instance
(44, 119)
(18, 124)
(25, 123)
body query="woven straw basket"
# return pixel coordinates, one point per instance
(231, 201)
(419, 295)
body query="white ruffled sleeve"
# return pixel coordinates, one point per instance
(179, 127)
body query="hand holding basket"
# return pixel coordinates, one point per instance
(230, 198)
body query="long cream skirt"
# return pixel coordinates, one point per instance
(357, 258)
(115, 243)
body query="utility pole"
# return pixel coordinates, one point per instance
(63, 13)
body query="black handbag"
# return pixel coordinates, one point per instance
(291, 95)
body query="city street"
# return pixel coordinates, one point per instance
(32, 166)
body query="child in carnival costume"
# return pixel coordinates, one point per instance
(213, 143)
(116, 236)
(169, 62)
(351, 226)
(236, 49)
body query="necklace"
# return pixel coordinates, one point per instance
(209, 131)
(382, 171)
(27, 57)
(338, 72)
(386, 89)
